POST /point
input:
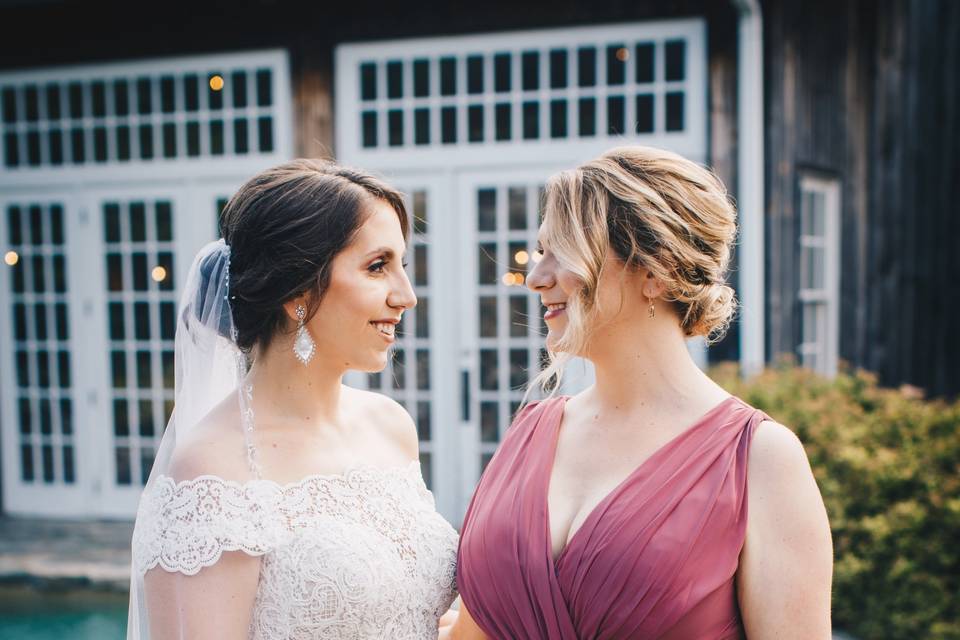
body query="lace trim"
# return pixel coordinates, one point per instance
(186, 526)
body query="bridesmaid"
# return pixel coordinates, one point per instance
(624, 511)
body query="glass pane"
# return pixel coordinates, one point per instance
(502, 121)
(448, 125)
(165, 260)
(33, 148)
(488, 316)
(519, 316)
(19, 321)
(114, 272)
(63, 369)
(474, 74)
(26, 463)
(395, 127)
(166, 321)
(43, 369)
(75, 95)
(166, 360)
(239, 82)
(420, 273)
(421, 78)
(489, 421)
(423, 369)
(146, 142)
(139, 262)
(448, 76)
(69, 474)
(122, 461)
(558, 68)
(215, 90)
(558, 118)
(216, 137)
(423, 420)
(56, 146)
(674, 54)
(368, 123)
(420, 212)
(264, 88)
(121, 418)
(9, 105)
(487, 263)
(530, 66)
(421, 126)
(368, 81)
(191, 92)
(674, 111)
(117, 329)
(144, 96)
(164, 221)
(531, 120)
(121, 98)
(59, 274)
(123, 143)
(426, 469)
(118, 369)
(145, 408)
(617, 55)
(645, 113)
(61, 317)
(144, 372)
(32, 99)
(241, 142)
(394, 79)
(193, 139)
(56, 224)
(78, 144)
(588, 117)
(399, 369)
(488, 369)
(519, 364)
(66, 416)
(46, 419)
(615, 115)
(141, 321)
(475, 123)
(47, 457)
(422, 314)
(486, 210)
(11, 149)
(644, 63)
(501, 72)
(517, 207)
(167, 97)
(40, 321)
(586, 66)
(146, 464)
(26, 415)
(39, 274)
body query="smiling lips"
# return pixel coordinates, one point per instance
(554, 310)
(386, 328)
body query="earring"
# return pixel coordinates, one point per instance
(304, 346)
(651, 312)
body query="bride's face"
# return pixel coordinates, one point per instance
(367, 294)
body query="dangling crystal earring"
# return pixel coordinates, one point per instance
(651, 312)
(303, 346)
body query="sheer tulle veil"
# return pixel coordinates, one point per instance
(208, 366)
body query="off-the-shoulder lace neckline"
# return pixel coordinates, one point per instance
(343, 476)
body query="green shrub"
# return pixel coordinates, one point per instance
(888, 464)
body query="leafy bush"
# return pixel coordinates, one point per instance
(888, 465)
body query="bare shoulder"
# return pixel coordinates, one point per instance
(776, 453)
(389, 417)
(214, 446)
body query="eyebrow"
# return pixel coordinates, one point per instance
(384, 251)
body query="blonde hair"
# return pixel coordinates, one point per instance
(654, 209)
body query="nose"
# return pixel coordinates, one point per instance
(542, 275)
(401, 294)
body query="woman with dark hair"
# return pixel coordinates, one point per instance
(283, 504)
(624, 511)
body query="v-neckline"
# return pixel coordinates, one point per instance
(572, 537)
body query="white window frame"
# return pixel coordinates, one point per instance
(822, 354)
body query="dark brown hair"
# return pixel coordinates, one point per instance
(284, 227)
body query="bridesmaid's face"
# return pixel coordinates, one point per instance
(555, 283)
(368, 292)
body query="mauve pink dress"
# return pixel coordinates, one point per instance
(655, 559)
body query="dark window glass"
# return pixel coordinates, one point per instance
(15, 236)
(399, 369)
(241, 144)
(26, 416)
(63, 368)
(114, 272)
(122, 460)
(216, 137)
(78, 143)
(421, 126)
(475, 74)
(75, 98)
(423, 369)
(369, 125)
(423, 420)
(139, 261)
(644, 62)
(421, 78)
(146, 418)
(43, 369)
(395, 127)
(588, 117)
(586, 66)
(55, 140)
(167, 96)
(144, 373)
(59, 274)
(23, 369)
(616, 64)
(531, 120)
(19, 321)
(674, 111)
(488, 316)
(11, 149)
(169, 140)
(164, 218)
(448, 124)
(489, 421)
(121, 98)
(118, 369)
(123, 143)
(502, 124)
(39, 275)
(36, 226)
(47, 451)
(488, 370)
(368, 81)
(394, 79)
(486, 210)
(32, 98)
(66, 416)
(516, 218)
(138, 222)
(56, 224)
(98, 96)
(166, 362)
(448, 76)
(100, 144)
(501, 72)
(475, 123)
(166, 321)
(615, 115)
(117, 331)
(111, 222)
(144, 96)
(558, 68)
(69, 476)
(519, 317)
(40, 321)
(165, 260)
(519, 364)
(26, 463)
(141, 319)
(674, 55)
(239, 82)
(530, 66)
(645, 113)
(33, 148)
(121, 418)
(193, 139)
(558, 118)
(146, 142)
(215, 95)
(53, 102)
(9, 105)
(146, 464)
(63, 332)
(423, 318)
(487, 263)
(191, 92)
(264, 88)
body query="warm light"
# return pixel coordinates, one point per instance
(508, 279)
(216, 82)
(522, 257)
(11, 258)
(537, 256)
(623, 54)
(518, 279)
(159, 274)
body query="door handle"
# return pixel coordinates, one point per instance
(465, 395)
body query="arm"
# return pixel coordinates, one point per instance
(463, 627)
(786, 565)
(217, 602)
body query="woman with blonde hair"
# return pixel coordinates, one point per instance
(653, 504)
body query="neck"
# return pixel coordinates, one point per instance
(285, 388)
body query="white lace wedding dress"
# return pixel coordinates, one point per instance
(362, 555)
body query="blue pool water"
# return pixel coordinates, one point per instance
(27, 614)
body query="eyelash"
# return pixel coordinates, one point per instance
(377, 267)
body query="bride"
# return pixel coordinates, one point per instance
(283, 504)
